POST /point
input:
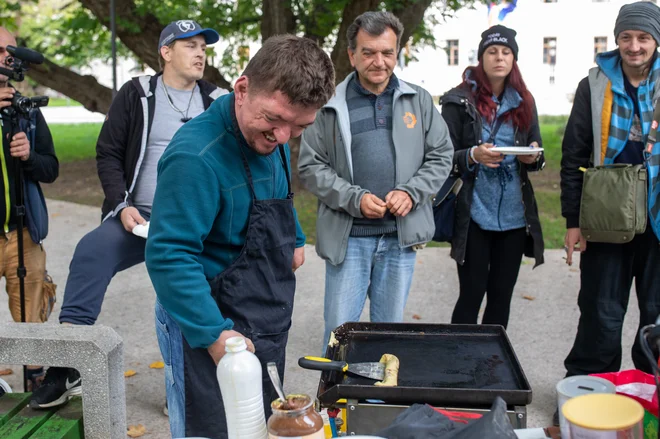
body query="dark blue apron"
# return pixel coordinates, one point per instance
(256, 292)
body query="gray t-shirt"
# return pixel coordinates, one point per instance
(165, 124)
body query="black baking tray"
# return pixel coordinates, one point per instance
(440, 364)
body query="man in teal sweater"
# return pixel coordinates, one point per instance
(224, 239)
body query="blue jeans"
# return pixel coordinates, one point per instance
(375, 267)
(100, 254)
(171, 348)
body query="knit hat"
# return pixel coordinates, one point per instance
(501, 35)
(643, 16)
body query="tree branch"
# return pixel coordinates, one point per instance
(145, 42)
(82, 88)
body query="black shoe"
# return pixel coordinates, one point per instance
(555, 418)
(59, 385)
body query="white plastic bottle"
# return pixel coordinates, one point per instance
(239, 376)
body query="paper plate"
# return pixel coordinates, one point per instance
(516, 150)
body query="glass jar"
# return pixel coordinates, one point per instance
(295, 418)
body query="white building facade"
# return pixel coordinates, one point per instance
(557, 43)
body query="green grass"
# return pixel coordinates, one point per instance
(552, 135)
(63, 102)
(75, 141)
(552, 223)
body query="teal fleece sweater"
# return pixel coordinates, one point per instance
(200, 216)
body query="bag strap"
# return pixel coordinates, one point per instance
(496, 128)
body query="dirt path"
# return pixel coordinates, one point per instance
(78, 182)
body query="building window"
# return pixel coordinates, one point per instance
(452, 52)
(600, 45)
(550, 51)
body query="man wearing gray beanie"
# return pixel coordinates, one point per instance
(609, 123)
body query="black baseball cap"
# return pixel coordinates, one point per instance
(180, 29)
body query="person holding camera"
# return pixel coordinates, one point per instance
(142, 120)
(39, 165)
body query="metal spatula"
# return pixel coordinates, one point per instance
(375, 371)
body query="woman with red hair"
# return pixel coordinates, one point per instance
(496, 218)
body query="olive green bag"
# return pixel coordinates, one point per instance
(613, 207)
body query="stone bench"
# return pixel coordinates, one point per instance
(97, 352)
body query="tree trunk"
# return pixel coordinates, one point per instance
(277, 18)
(411, 14)
(339, 52)
(84, 89)
(145, 42)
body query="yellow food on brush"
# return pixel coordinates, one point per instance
(391, 371)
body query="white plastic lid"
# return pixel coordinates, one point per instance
(235, 344)
(584, 385)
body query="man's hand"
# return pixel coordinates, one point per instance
(19, 146)
(399, 203)
(298, 258)
(130, 217)
(217, 349)
(372, 207)
(573, 236)
(6, 94)
(530, 158)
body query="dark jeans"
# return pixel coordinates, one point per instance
(99, 255)
(492, 263)
(607, 272)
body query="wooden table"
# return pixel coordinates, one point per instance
(18, 421)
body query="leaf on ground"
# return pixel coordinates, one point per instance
(136, 430)
(4, 372)
(417, 317)
(129, 373)
(157, 365)
(528, 297)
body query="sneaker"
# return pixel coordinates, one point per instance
(59, 385)
(166, 412)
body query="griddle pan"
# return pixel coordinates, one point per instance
(440, 364)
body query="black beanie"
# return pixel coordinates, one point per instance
(500, 35)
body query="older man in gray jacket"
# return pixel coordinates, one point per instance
(375, 157)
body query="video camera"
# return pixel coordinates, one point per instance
(16, 66)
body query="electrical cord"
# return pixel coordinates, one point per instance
(648, 353)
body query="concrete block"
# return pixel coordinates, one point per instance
(97, 352)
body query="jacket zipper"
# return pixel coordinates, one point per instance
(522, 187)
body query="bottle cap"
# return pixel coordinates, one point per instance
(235, 344)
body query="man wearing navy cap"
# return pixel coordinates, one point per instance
(142, 120)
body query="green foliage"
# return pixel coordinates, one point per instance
(72, 36)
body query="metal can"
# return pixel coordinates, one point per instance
(295, 418)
